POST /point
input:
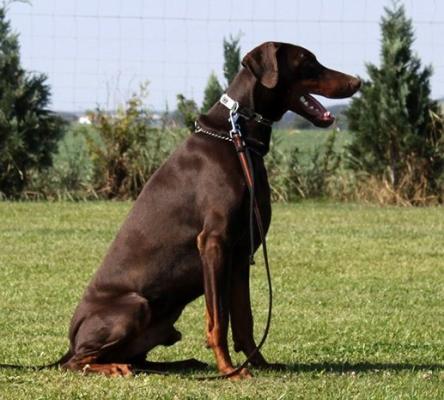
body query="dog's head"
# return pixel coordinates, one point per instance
(292, 75)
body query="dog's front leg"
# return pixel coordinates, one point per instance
(241, 315)
(240, 311)
(213, 251)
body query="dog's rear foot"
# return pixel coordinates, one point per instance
(108, 369)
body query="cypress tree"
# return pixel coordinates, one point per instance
(397, 128)
(188, 111)
(214, 89)
(212, 93)
(29, 133)
(231, 57)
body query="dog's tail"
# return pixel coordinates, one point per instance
(61, 361)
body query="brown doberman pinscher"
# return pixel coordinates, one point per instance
(188, 231)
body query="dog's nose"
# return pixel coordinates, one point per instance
(355, 84)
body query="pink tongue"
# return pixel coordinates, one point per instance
(328, 116)
(315, 108)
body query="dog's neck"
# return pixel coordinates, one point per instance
(244, 89)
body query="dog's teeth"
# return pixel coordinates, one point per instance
(302, 99)
(311, 108)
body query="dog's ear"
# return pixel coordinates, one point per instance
(262, 63)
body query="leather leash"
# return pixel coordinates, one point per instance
(246, 163)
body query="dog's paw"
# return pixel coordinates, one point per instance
(244, 373)
(120, 370)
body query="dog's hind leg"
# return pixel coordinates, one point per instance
(164, 334)
(109, 369)
(109, 334)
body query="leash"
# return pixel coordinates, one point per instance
(243, 152)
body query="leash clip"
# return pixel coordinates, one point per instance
(235, 129)
(235, 133)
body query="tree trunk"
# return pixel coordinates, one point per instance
(394, 161)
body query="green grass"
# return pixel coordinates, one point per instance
(307, 140)
(359, 294)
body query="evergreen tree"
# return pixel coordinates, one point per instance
(397, 128)
(188, 110)
(28, 131)
(231, 57)
(212, 93)
(214, 89)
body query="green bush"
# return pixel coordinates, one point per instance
(212, 93)
(294, 177)
(276, 162)
(29, 132)
(232, 61)
(312, 180)
(188, 111)
(71, 174)
(127, 150)
(398, 129)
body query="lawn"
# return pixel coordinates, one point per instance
(308, 140)
(358, 310)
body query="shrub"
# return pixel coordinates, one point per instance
(231, 57)
(212, 93)
(188, 111)
(29, 133)
(127, 149)
(276, 163)
(313, 179)
(398, 130)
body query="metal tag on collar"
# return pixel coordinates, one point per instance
(228, 102)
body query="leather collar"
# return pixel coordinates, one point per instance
(244, 112)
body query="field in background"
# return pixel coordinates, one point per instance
(308, 140)
(358, 304)
(285, 139)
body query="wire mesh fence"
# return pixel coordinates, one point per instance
(97, 52)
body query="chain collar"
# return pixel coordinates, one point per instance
(254, 145)
(199, 129)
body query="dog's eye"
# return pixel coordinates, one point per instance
(308, 70)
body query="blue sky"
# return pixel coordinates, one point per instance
(98, 51)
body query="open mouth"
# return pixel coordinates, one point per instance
(315, 111)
